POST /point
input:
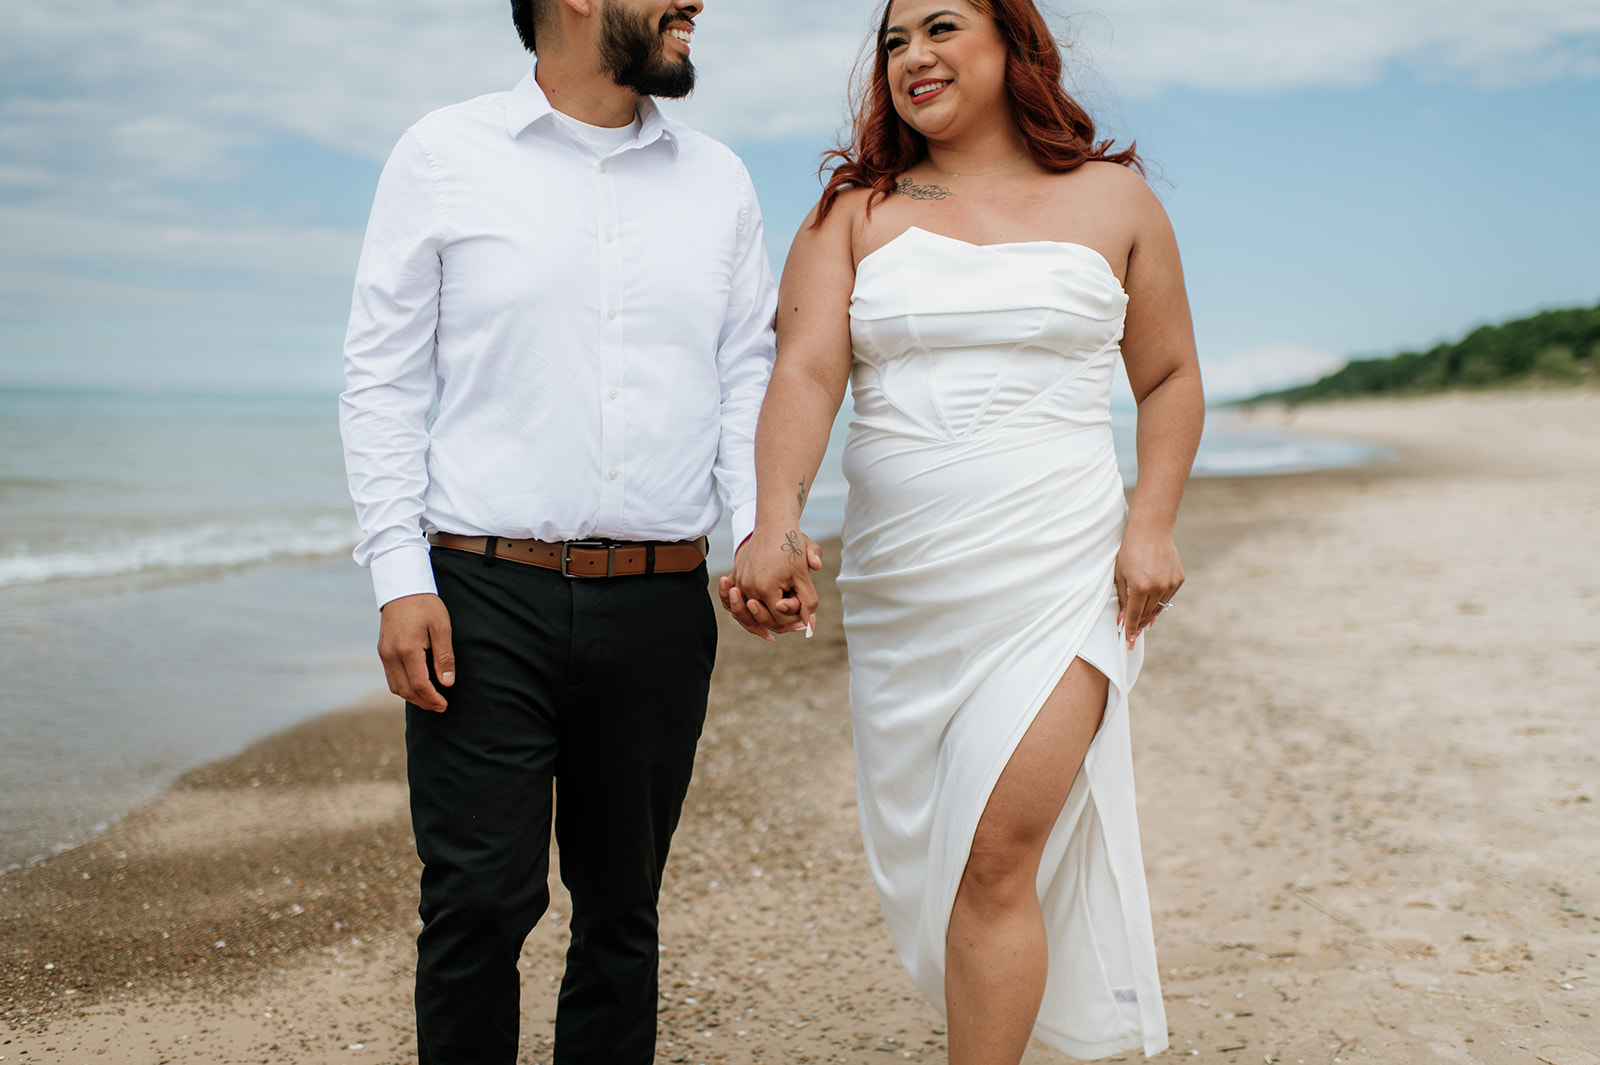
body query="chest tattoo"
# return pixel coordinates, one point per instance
(911, 190)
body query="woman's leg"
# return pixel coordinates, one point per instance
(996, 955)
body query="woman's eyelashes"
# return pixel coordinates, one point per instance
(938, 29)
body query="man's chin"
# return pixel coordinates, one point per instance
(676, 93)
(672, 82)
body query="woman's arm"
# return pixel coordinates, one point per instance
(1158, 350)
(771, 586)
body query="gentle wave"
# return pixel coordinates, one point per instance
(209, 544)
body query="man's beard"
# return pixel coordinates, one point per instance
(634, 53)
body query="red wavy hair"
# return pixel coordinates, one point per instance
(1059, 133)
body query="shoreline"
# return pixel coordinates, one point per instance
(136, 569)
(1362, 745)
(200, 709)
(116, 691)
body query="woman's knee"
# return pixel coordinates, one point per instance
(1000, 871)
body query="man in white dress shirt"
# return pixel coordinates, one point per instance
(558, 345)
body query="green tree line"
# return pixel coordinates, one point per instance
(1556, 346)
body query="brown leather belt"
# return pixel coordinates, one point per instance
(585, 558)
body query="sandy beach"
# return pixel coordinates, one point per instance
(1368, 751)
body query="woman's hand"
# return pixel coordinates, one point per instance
(770, 589)
(1148, 574)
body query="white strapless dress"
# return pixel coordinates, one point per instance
(980, 537)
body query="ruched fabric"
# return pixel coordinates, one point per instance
(980, 538)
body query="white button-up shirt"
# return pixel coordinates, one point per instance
(549, 343)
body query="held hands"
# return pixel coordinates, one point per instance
(411, 627)
(771, 590)
(1148, 574)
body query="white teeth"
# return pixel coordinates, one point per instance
(682, 35)
(922, 89)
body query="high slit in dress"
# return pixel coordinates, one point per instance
(980, 536)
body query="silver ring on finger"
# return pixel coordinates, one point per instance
(1164, 604)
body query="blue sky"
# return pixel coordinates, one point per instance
(183, 185)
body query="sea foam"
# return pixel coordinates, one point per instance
(204, 545)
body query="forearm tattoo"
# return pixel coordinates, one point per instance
(911, 190)
(800, 496)
(791, 544)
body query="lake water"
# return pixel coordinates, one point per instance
(175, 582)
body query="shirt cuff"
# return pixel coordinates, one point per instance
(743, 521)
(404, 571)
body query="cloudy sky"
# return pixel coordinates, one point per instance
(183, 184)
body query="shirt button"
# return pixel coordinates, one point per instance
(610, 237)
(611, 315)
(611, 394)
(602, 168)
(612, 475)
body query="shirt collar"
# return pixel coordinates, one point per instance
(528, 104)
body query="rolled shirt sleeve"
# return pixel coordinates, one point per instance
(389, 372)
(745, 354)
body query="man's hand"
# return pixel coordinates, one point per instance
(793, 604)
(412, 626)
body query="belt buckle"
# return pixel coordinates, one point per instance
(589, 545)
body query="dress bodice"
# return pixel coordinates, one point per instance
(954, 340)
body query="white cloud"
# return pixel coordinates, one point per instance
(1267, 45)
(771, 73)
(353, 73)
(174, 148)
(348, 74)
(1266, 369)
(159, 304)
(120, 121)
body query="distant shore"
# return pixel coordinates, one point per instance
(1366, 742)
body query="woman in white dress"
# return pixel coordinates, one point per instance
(975, 266)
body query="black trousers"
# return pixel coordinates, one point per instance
(596, 687)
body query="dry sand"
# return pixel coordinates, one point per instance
(1368, 751)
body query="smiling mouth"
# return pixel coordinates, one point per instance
(680, 32)
(923, 88)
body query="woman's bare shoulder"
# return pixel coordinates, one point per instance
(842, 226)
(1119, 193)
(1122, 184)
(829, 244)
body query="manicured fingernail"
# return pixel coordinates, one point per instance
(808, 630)
(447, 678)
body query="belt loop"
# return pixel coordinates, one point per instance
(489, 544)
(649, 559)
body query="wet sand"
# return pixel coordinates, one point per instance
(1368, 749)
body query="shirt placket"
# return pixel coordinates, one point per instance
(613, 436)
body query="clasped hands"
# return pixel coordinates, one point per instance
(770, 590)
